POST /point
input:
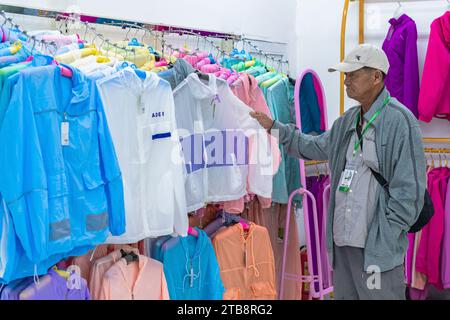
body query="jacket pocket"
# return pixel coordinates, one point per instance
(150, 136)
(263, 290)
(92, 179)
(160, 130)
(232, 294)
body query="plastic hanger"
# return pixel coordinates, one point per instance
(272, 81)
(129, 256)
(135, 43)
(62, 273)
(244, 224)
(141, 74)
(193, 232)
(398, 11)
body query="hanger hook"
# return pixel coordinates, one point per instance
(86, 30)
(143, 36)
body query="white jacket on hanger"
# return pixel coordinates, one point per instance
(140, 114)
(215, 127)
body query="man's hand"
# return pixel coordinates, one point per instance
(263, 119)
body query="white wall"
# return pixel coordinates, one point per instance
(264, 19)
(318, 41)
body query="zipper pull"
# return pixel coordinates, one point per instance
(132, 296)
(191, 275)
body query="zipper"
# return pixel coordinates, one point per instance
(245, 254)
(132, 296)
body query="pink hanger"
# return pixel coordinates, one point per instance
(161, 63)
(64, 71)
(233, 78)
(244, 224)
(192, 232)
(210, 68)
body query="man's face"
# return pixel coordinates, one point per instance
(359, 83)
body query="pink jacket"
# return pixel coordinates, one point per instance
(430, 248)
(434, 97)
(247, 90)
(144, 280)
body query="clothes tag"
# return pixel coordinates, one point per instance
(346, 180)
(65, 133)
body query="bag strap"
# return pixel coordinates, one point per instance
(382, 181)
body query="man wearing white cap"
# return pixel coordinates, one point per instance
(367, 226)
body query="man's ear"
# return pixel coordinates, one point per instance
(378, 76)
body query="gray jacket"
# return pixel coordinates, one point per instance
(402, 163)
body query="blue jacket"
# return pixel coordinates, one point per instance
(60, 197)
(178, 255)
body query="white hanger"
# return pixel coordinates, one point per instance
(398, 11)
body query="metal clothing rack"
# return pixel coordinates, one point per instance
(315, 276)
(164, 44)
(93, 30)
(18, 29)
(361, 40)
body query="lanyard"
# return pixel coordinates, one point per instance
(358, 143)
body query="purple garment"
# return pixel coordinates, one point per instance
(326, 268)
(316, 186)
(445, 261)
(54, 287)
(12, 291)
(409, 257)
(400, 46)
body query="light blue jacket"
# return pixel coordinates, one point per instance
(178, 255)
(60, 197)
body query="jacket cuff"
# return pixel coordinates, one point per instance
(278, 127)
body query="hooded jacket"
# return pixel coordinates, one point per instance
(434, 97)
(141, 118)
(214, 128)
(400, 46)
(191, 268)
(61, 194)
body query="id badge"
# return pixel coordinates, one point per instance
(346, 180)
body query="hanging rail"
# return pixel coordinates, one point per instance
(18, 28)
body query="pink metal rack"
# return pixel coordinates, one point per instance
(316, 276)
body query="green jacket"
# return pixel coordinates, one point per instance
(402, 163)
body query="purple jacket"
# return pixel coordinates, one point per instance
(400, 46)
(54, 287)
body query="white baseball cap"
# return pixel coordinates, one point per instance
(365, 55)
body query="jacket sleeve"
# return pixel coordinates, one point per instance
(181, 220)
(408, 181)
(411, 72)
(110, 172)
(301, 145)
(23, 182)
(260, 156)
(164, 289)
(434, 77)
